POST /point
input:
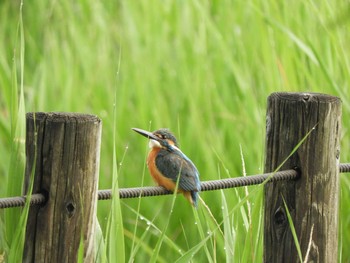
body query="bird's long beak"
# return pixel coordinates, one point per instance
(147, 134)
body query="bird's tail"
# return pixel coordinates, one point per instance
(194, 197)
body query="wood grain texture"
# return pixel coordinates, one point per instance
(313, 199)
(63, 149)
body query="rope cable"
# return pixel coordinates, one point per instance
(40, 199)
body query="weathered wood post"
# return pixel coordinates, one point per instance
(312, 200)
(63, 148)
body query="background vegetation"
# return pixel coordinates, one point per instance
(201, 68)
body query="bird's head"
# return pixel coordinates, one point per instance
(161, 138)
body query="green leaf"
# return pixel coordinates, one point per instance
(292, 228)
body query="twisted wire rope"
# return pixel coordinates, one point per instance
(40, 199)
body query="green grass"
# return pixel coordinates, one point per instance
(201, 68)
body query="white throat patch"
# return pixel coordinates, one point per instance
(153, 143)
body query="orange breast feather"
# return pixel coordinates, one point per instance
(156, 175)
(162, 180)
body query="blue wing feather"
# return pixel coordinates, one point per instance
(174, 163)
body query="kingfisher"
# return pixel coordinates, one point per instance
(168, 165)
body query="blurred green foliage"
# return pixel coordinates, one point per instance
(201, 68)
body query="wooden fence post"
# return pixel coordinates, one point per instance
(313, 199)
(63, 149)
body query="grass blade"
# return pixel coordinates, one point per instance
(292, 229)
(115, 226)
(162, 236)
(15, 219)
(228, 230)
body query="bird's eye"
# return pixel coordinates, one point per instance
(161, 136)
